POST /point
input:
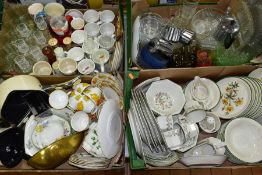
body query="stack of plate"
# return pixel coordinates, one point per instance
(243, 139)
(148, 139)
(240, 97)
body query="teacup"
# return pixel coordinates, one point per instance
(106, 42)
(92, 29)
(58, 99)
(93, 93)
(90, 46)
(42, 68)
(80, 87)
(80, 102)
(107, 29)
(67, 66)
(211, 123)
(101, 56)
(80, 121)
(107, 16)
(59, 53)
(194, 111)
(77, 23)
(76, 53)
(91, 16)
(91, 143)
(86, 66)
(79, 36)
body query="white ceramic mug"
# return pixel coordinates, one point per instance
(107, 16)
(67, 66)
(107, 29)
(42, 68)
(77, 23)
(80, 121)
(92, 29)
(91, 16)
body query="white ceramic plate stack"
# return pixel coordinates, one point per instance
(240, 97)
(243, 139)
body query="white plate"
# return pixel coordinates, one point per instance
(257, 73)
(134, 131)
(243, 138)
(165, 97)
(30, 148)
(235, 98)
(214, 93)
(109, 128)
(213, 160)
(49, 130)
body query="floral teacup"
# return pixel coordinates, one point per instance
(91, 143)
(81, 87)
(93, 93)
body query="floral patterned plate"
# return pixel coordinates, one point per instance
(49, 130)
(257, 73)
(165, 97)
(235, 98)
(30, 148)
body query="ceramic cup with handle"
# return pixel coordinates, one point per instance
(80, 121)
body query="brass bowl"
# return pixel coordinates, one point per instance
(57, 153)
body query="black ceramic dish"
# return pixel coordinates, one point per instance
(12, 147)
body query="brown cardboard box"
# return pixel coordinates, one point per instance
(116, 167)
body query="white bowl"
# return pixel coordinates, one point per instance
(54, 9)
(76, 53)
(77, 23)
(42, 68)
(91, 16)
(243, 139)
(86, 66)
(74, 13)
(58, 99)
(79, 36)
(91, 29)
(107, 16)
(107, 29)
(67, 66)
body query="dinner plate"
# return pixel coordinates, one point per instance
(235, 98)
(243, 139)
(257, 73)
(213, 96)
(109, 128)
(30, 148)
(165, 97)
(49, 130)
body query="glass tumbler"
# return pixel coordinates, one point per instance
(21, 45)
(188, 9)
(39, 37)
(23, 30)
(40, 22)
(23, 64)
(37, 54)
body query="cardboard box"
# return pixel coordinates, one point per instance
(182, 76)
(117, 165)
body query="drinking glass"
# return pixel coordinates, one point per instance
(188, 10)
(23, 30)
(40, 22)
(37, 54)
(23, 64)
(21, 45)
(39, 37)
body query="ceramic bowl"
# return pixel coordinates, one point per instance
(12, 147)
(90, 46)
(165, 97)
(77, 23)
(35, 8)
(57, 153)
(49, 130)
(106, 42)
(79, 36)
(93, 93)
(91, 16)
(194, 111)
(58, 99)
(26, 82)
(244, 144)
(67, 66)
(107, 29)
(42, 68)
(211, 123)
(81, 102)
(91, 142)
(54, 9)
(86, 66)
(80, 121)
(76, 53)
(204, 160)
(107, 16)
(92, 29)
(74, 13)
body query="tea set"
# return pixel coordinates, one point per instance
(47, 116)
(183, 115)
